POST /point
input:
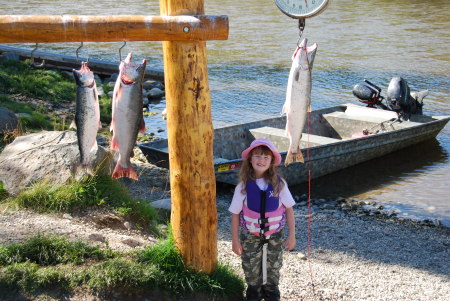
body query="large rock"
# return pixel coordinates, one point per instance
(8, 121)
(45, 155)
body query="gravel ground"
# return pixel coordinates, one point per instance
(353, 256)
(356, 257)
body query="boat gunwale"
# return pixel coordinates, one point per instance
(437, 119)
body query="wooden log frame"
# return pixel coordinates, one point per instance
(190, 139)
(184, 30)
(70, 28)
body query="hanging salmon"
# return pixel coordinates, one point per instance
(298, 98)
(87, 114)
(127, 118)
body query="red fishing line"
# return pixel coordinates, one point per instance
(309, 206)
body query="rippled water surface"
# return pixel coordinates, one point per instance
(373, 39)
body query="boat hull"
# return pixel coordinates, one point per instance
(328, 148)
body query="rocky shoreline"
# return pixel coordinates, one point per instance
(357, 251)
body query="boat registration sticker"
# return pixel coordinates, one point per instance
(229, 166)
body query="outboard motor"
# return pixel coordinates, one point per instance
(399, 98)
(401, 101)
(369, 94)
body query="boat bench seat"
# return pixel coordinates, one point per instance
(281, 141)
(356, 120)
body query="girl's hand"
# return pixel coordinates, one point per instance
(237, 247)
(290, 243)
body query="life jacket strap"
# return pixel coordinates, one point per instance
(263, 220)
(254, 229)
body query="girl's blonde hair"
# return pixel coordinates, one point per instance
(271, 175)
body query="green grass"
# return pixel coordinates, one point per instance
(3, 192)
(158, 268)
(18, 78)
(36, 119)
(178, 278)
(100, 191)
(49, 85)
(105, 103)
(50, 250)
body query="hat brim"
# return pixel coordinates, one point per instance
(276, 154)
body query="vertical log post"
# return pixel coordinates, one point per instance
(190, 137)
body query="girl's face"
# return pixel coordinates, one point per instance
(261, 161)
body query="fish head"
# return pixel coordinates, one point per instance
(131, 73)
(303, 56)
(84, 77)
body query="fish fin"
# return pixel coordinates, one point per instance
(114, 144)
(111, 126)
(94, 147)
(120, 172)
(283, 110)
(73, 125)
(100, 124)
(142, 126)
(117, 90)
(309, 108)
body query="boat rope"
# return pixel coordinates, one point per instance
(309, 207)
(382, 126)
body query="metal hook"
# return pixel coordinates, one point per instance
(120, 50)
(78, 49)
(32, 53)
(301, 27)
(32, 58)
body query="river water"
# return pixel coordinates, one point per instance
(373, 39)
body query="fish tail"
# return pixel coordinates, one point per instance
(120, 172)
(294, 157)
(83, 168)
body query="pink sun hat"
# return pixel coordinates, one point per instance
(265, 142)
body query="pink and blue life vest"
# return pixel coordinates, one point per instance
(262, 212)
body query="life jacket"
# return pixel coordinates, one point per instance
(262, 212)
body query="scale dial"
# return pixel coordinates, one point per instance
(301, 9)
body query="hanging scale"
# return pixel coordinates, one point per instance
(302, 9)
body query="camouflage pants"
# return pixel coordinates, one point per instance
(252, 257)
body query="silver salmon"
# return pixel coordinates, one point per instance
(87, 114)
(298, 98)
(127, 118)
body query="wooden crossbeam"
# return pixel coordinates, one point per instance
(71, 28)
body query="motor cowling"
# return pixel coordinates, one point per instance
(398, 94)
(367, 93)
(400, 100)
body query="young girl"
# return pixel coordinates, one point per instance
(262, 205)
